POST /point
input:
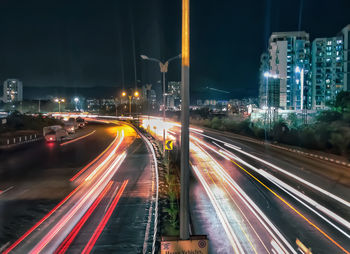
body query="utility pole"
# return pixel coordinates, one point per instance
(185, 97)
(39, 105)
(163, 70)
(130, 97)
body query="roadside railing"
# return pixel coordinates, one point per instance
(17, 140)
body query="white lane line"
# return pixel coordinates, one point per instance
(315, 187)
(286, 189)
(150, 147)
(250, 204)
(223, 219)
(285, 186)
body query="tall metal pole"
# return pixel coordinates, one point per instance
(130, 105)
(163, 71)
(59, 106)
(185, 97)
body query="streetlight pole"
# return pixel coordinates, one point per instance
(163, 70)
(185, 111)
(59, 100)
(130, 96)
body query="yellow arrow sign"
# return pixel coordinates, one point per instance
(168, 145)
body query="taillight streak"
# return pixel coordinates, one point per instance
(70, 238)
(19, 240)
(93, 161)
(85, 199)
(104, 220)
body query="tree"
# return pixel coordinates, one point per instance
(342, 101)
(329, 116)
(293, 121)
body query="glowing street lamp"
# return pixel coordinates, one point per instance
(59, 101)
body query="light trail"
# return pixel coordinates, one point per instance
(104, 220)
(77, 139)
(70, 238)
(289, 205)
(237, 248)
(250, 204)
(83, 202)
(107, 159)
(313, 186)
(19, 240)
(288, 189)
(295, 210)
(284, 187)
(94, 160)
(331, 195)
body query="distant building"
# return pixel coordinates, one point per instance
(327, 70)
(264, 68)
(330, 68)
(289, 64)
(346, 37)
(12, 91)
(173, 98)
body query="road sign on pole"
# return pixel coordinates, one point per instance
(168, 145)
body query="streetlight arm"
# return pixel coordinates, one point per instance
(144, 57)
(173, 58)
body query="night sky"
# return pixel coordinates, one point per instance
(98, 43)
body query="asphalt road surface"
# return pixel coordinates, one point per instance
(90, 194)
(253, 198)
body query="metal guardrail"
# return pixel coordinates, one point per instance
(17, 140)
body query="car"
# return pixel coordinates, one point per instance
(54, 133)
(81, 122)
(69, 127)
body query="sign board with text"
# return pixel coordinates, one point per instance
(196, 245)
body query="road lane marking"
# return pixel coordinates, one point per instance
(344, 202)
(295, 210)
(250, 204)
(280, 183)
(239, 224)
(331, 195)
(209, 162)
(155, 174)
(288, 189)
(77, 139)
(231, 235)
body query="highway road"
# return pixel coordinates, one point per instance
(252, 198)
(105, 206)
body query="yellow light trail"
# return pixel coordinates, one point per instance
(294, 209)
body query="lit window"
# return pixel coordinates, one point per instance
(329, 42)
